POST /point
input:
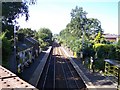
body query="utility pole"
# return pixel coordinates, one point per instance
(83, 32)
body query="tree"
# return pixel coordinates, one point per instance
(44, 36)
(13, 10)
(99, 38)
(26, 32)
(10, 12)
(80, 23)
(81, 33)
(118, 50)
(118, 42)
(6, 49)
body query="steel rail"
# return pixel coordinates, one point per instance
(66, 81)
(70, 68)
(46, 74)
(54, 69)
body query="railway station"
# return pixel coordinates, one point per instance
(59, 47)
(57, 69)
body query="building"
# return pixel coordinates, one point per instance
(111, 37)
(27, 50)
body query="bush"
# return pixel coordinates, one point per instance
(104, 51)
(6, 50)
(118, 52)
(99, 64)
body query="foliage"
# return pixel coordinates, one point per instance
(10, 12)
(9, 29)
(86, 35)
(42, 43)
(118, 42)
(13, 10)
(80, 32)
(2, 35)
(44, 35)
(6, 47)
(104, 51)
(89, 51)
(99, 38)
(26, 32)
(118, 50)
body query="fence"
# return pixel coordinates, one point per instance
(112, 67)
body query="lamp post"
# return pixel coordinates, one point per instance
(15, 61)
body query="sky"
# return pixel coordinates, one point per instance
(55, 14)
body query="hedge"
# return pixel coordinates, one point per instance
(104, 51)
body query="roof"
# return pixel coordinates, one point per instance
(113, 62)
(22, 46)
(27, 43)
(32, 40)
(11, 80)
(110, 35)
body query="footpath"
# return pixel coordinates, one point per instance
(93, 81)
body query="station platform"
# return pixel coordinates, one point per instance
(93, 81)
(38, 71)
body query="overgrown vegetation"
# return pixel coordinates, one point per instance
(10, 12)
(85, 35)
(44, 36)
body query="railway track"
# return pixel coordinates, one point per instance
(59, 73)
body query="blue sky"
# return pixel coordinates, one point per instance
(55, 14)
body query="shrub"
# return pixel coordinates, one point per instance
(104, 51)
(6, 50)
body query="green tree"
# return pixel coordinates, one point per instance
(26, 32)
(80, 23)
(80, 30)
(6, 49)
(118, 50)
(118, 42)
(99, 38)
(10, 12)
(44, 35)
